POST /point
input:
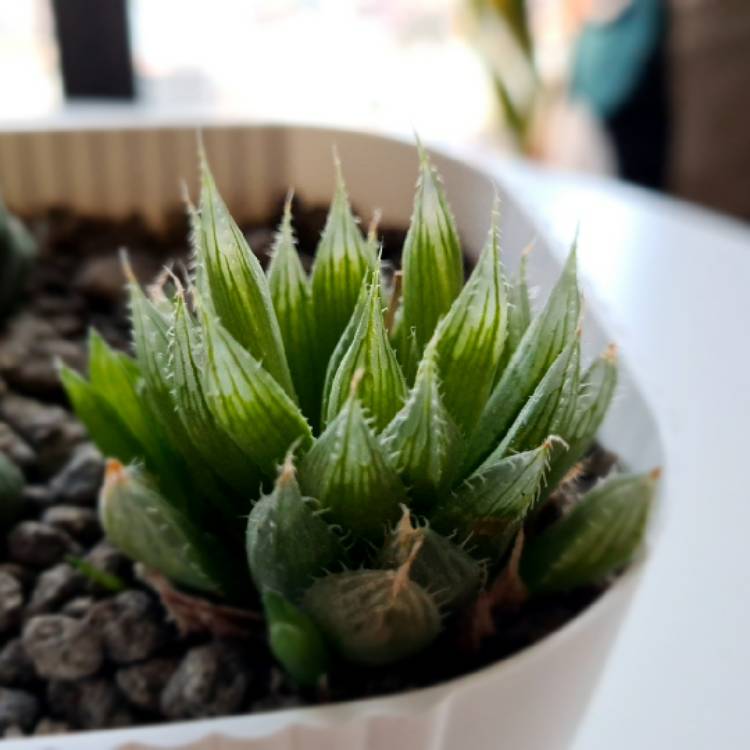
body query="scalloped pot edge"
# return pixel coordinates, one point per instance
(531, 701)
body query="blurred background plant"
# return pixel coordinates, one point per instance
(637, 88)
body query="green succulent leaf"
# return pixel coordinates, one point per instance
(342, 260)
(432, 264)
(148, 528)
(117, 379)
(287, 542)
(292, 301)
(519, 312)
(438, 565)
(18, 252)
(549, 333)
(374, 616)
(598, 537)
(349, 473)
(471, 336)
(549, 409)
(239, 290)
(154, 334)
(295, 640)
(344, 345)
(151, 339)
(102, 422)
(489, 508)
(209, 439)
(248, 403)
(383, 387)
(598, 387)
(422, 439)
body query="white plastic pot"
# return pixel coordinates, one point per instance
(531, 701)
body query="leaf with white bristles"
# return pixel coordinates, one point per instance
(238, 288)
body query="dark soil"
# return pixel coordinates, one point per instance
(83, 651)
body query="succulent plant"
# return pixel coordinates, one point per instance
(17, 254)
(280, 438)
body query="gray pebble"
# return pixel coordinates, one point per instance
(78, 607)
(16, 669)
(108, 558)
(78, 482)
(101, 277)
(17, 709)
(54, 587)
(15, 447)
(211, 680)
(130, 626)
(25, 576)
(88, 704)
(11, 602)
(62, 648)
(39, 545)
(80, 523)
(50, 429)
(37, 497)
(142, 684)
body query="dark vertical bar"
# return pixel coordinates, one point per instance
(94, 43)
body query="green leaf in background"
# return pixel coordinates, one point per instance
(342, 260)
(287, 542)
(549, 333)
(422, 439)
(18, 251)
(489, 508)
(248, 403)
(348, 472)
(432, 265)
(295, 640)
(470, 337)
(98, 576)
(148, 528)
(239, 290)
(383, 389)
(292, 301)
(597, 538)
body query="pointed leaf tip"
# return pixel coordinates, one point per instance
(381, 387)
(237, 285)
(432, 264)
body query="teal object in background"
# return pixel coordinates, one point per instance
(612, 58)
